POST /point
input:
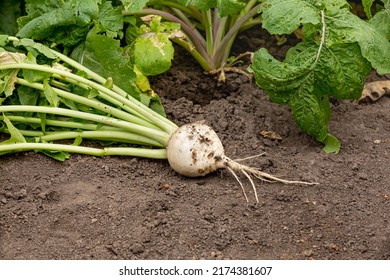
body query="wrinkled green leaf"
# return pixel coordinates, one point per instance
(105, 56)
(304, 82)
(381, 20)
(339, 72)
(55, 26)
(285, 16)
(68, 22)
(153, 54)
(153, 51)
(344, 27)
(310, 112)
(110, 18)
(134, 6)
(9, 12)
(230, 7)
(225, 7)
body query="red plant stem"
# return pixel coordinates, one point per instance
(227, 41)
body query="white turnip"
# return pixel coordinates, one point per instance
(196, 150)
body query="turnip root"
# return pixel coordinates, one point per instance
(196, 150)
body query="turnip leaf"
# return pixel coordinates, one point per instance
(381, 20)
(9, 12)
(283, 17)
(344, 27)
(106, 57)
(134, 5)
(153, 54)
(367, 4)
(313, 71)
(304, 82)
(15, 135)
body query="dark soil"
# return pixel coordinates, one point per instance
(131, 208)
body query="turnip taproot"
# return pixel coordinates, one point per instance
(99, 112)
(195, 150)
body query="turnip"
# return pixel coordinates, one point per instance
(195, 150)
(106, 113)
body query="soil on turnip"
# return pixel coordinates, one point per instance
(133, 208)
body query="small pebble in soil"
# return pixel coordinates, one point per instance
(217, 254)
(137, 249)
(363, 176)
(8, 195)
(355, 167)
(308, 253)
(20, 194)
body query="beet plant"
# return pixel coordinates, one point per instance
(209, 28)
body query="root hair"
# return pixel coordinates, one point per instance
(233, 166)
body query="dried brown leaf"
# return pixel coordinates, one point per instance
(375, 90)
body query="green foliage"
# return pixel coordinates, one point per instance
(68, 22)
(133, 6)
(90, 31)
(107, 58)
(284, 17)
(63, 100)
(381, 19)
(152, 50)
(9, 12)
(126, 41)
(208, 29)
(15, 135)
(337, 53)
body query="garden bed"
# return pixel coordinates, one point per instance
(130, 208)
